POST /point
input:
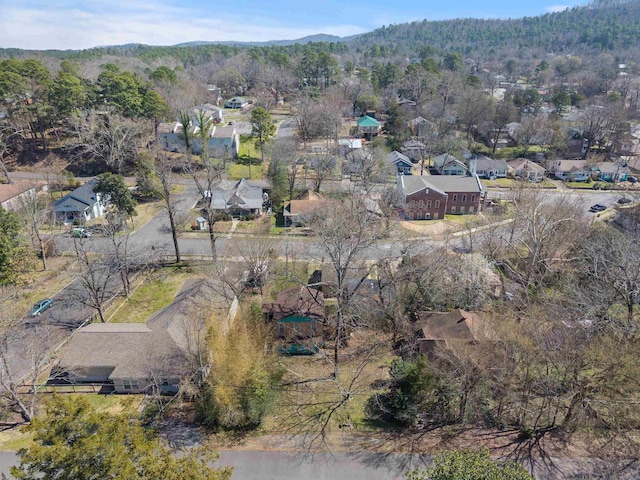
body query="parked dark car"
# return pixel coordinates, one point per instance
(624, 200)
(41, 306)
(632, 179)
(598, 207)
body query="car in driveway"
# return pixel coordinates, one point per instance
(80, 233)
(598, 207)
(41, 306)
(624, 200)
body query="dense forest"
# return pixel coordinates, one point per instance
(601, 26)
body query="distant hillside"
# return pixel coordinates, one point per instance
(607, 25)
(321, 37)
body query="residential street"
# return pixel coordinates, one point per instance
(262, 465)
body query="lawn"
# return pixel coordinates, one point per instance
(311, 383)
(582, 185)
(236, 171)
(146, 211)
(513, 183)
(156, 292)
(248, 147)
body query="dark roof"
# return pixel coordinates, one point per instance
(81, 198)
(396, 157)
(445, 160)
(441, 183)
(300, 301)
(132, 349)
(229, 194)
(486, 163)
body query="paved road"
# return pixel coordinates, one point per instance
(251, 465)
(287, 128)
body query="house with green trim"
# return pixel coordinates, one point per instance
(368, 126)
(298, 318)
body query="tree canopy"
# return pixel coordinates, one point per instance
(75, 442)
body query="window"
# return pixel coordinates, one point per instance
(428, 203)
(437, 204)
(464, 198)
(473, 198)
(126, 384)
(453, 208)
(280, 327)
(462, 209)
(455, 198)
(435, 216)
(296, 327)
(421, 203)
(314, 327)
(427, 216)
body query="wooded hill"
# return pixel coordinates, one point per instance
(601, 26)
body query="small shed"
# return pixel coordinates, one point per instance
(200, 223)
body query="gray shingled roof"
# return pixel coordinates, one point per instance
(78, 200)
(396, 157)
(132, 350)
(229, 194)
(441, 183)
(486, 163)
(445, 160)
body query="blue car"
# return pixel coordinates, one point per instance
(41, 306)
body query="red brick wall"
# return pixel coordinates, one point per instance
(421, 203)
(462, 202)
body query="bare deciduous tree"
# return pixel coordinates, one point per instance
(35, 211)
(33, 355)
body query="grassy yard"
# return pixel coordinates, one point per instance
(146, 211)
(156, 292)
(461, 219)
(364, 380)
(513, 183)
(582, 185)
(236, 171)
(248, 147)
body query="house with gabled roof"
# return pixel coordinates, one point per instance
(571, 170)
(486, 167)
(13, 195)
(524, 169)
(447, 164)
(427, 197)
(612, 171)
(458, 332)
(221, 141)
(236, 102)
(368, 126)
(138, 357)
(82, 204)
(300, 208)
(400, 163)
(238, 198)
(298, 315)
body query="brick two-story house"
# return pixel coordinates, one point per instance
(432, 196)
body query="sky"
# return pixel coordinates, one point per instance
(75, 24)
